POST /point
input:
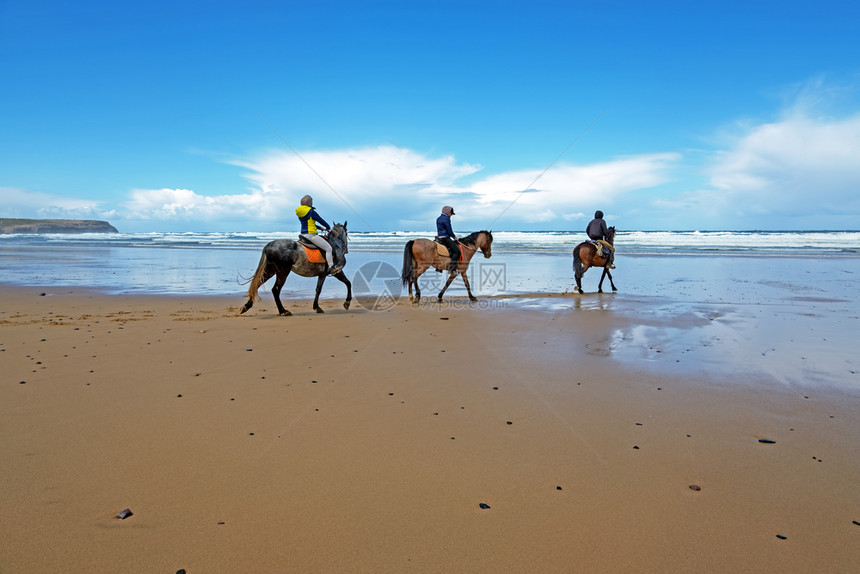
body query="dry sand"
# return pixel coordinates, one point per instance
(361, 441)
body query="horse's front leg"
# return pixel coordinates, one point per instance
(276, 292)
(608, 274)
(472, 298)
(343, 279)
(320, 281)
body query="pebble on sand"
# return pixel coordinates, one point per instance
(695, 487)
(782, 537)
(123, 514)
(484, 506)
(766, 441)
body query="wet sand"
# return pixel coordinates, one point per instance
(608, 433)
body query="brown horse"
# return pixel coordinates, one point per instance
(585, 256)
(419, 255)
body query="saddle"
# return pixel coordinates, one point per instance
(442, 250)
(314, 253)
(602, 250)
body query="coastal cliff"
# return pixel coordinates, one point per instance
(8, 226)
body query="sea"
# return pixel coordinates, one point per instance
(216, 263)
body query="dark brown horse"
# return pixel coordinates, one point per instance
(585, 256)
(419, 255)
(284, 255)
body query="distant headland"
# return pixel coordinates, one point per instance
(8, 226)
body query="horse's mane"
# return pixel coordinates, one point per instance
(473, 237)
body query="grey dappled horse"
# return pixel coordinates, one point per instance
(282, 256)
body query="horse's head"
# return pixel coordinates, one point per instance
(486, 245)
(610, 235)
(339, 236)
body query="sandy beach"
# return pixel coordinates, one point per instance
(601, 433)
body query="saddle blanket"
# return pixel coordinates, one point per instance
(442, 251)
(315, 254)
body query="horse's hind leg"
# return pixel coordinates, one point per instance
(445, 288)
(419, 271)
(250, 302)
(276, 292)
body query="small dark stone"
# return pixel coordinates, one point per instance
(495, 388)
(313, 381)
(249, 349)
(510, 422)
(250, 434)
(22, 383)
(857, 522)
(180, 571)
(123, 514)
(635, 447)
(41, 294)
(695, 487)
(390, 394)
(483, 506)
(781, 537)
(766, 441)
(558, 488)
(179, 396)
(638, 424)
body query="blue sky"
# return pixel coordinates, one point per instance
(219, 116)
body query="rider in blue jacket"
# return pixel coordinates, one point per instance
(445, 236)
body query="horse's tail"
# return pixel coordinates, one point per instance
(408, 272)
(577, 262)
(258, 279)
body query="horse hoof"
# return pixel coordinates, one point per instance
(242, 312)
(615, 288)
(319, 310)
(473, 299)
(285, 313)
(346, 304)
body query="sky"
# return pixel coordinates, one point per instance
(220, 116)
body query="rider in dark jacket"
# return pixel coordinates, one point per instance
(445, 235)
(596, 231)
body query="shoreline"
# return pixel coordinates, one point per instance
(365, 440)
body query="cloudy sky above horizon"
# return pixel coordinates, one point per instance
(219, 116)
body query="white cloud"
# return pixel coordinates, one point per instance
(390, 187)
(795, 167)
(34, 204)
(187, 205)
